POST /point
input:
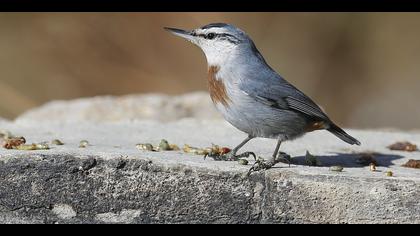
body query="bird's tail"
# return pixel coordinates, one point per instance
(337, 131)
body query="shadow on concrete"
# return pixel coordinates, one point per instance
(352, 160)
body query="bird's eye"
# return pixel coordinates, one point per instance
(210, 36)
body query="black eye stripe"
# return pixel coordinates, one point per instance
(209, 35)
(222, 36)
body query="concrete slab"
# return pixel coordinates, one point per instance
(113, 182)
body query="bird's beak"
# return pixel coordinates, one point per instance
(181, 33)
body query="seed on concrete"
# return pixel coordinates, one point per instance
(83, 144)
(243, 162)
(336, 168)
(57, 142)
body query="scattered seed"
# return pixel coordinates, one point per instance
(83, 144)
(164, 145)
(32, 147)
(412, 164)
(403, 146)
(19, 143)
(216, 151)
(57, 142)
(389, 173)
(336, 168)
(174, 147)
(11, 143)
(372, 167)
(145, 147)
(213, 151)
(243, 162)
(26, 147)
(193, 150)
(42, 146)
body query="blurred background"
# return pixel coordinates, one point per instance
(362, 68)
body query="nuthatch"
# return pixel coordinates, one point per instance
(251, 95)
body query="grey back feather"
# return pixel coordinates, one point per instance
(269, 88)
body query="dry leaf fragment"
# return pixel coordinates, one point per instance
(412, 164)
(403, 146)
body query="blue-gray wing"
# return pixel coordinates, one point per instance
(276, 92)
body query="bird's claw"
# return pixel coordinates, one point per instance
(261, 164)
(284, 158)
(229, 156)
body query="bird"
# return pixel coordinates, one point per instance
(252, 96)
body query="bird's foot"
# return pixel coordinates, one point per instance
(261, 164)
(230, 156)
(284, 158)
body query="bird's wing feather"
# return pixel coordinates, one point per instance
(306, 107)
(282, 95)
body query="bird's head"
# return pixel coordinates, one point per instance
(217, 40)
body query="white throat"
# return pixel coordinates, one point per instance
(218, 56)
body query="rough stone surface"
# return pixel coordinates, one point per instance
(132, 107)
(113, 182)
